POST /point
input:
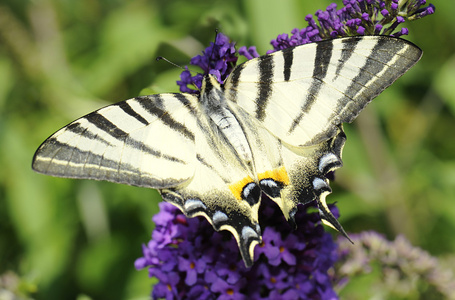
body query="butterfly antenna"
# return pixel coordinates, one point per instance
(178, 66)
(213, 48)
(174, 64)
(167, 60)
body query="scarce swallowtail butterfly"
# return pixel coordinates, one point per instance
(274, 127)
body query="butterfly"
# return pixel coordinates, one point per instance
(274, 127)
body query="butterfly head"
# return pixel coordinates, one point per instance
(211, 90)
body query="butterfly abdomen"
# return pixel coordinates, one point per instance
(224, 121)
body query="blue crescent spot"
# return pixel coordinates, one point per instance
(269, 182)
(248, 232)
(219, 217)
(319, 183)
(193, 204)
(326, 160)
(248, 188)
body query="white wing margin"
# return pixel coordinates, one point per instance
(301, 94)
(146, 141)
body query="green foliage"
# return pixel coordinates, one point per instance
(59, 60)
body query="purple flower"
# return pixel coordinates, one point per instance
(249, 53)
(188, 80)
(191, 266)
(198, 262)
(403, 269)
(284, 255)
(227, 291)
(268, 247)
(423, 12)
(385, 12)
(357, 17)
(217, 59)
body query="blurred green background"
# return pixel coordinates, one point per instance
(61, 59)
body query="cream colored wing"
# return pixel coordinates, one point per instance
(146, 141)
(302, 94)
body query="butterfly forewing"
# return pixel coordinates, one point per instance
(301, 94)
(146, 141)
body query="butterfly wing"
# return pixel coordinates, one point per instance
(164, 142)
(302, 94)
(146, 141)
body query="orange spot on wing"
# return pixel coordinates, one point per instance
(278, 174)
(237, 188)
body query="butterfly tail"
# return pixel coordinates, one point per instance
(328, 218)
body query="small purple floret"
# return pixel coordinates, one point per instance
(249, 53)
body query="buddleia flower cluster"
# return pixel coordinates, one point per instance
(192, 261)
(219, 59)
(357, 17)
(405, 269)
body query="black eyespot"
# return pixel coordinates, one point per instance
(271, 187)
(251, 193)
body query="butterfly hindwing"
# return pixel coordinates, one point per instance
(292, 175)
(302, 94)
(308, 172)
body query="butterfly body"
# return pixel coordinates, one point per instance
(274, 127)
(215, 105)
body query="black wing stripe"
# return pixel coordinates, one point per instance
(346, 53)
(234, 79)
(105, 125)
(371, 67)
(128, 110)
(288, 56)
(321, 65)
(376, 63)
(86, 164)
(108, 127)
(266, 70)
(78, 129)
(186, 102)
(130, 142)
(78, 156)
(166, 118)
